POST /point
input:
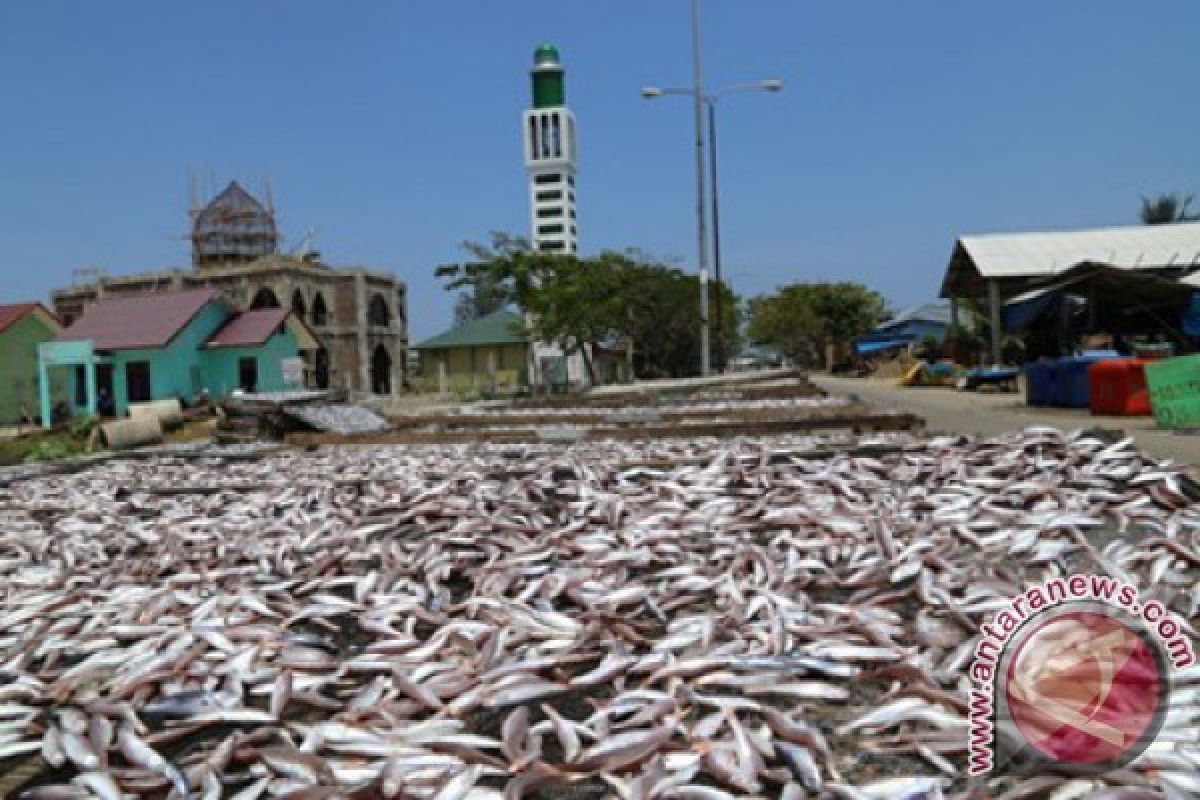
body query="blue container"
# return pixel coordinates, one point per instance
(1039, 383)
(1071, 386)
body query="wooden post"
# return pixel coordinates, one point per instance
(994, 303)
(44, 392)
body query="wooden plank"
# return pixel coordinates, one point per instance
(594, 418)
(857, 422)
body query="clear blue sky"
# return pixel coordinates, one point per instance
(393, 128)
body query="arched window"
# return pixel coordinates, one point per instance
(381, 371)
(377, 311)
(298, 304)
(320, 314)
(264, 298)
(321, 368)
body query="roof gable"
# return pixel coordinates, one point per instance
(497, 328)
(1032, 255)
(253, 328)
(249, 328)
(137, 322)
(12, 314)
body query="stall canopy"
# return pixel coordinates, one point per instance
(1020, 260)
(1111, 290)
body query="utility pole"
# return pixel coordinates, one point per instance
(716, 233)
(701, 229)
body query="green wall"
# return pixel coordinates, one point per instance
(19, 369)
(221, 364)
(175, 370)
(467, 367)
(185, 366)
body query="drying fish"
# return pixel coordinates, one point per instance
(702, 619)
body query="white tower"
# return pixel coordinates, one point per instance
(550, 157)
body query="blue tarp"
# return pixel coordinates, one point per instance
(1191, 317)
(863, 348)
(1017, 316)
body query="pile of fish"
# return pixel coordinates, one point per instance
(688, 620)
(703, 406)
(337, 417)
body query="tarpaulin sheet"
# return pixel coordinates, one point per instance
(864, 348)
(1191, 317)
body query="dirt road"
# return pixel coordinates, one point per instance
(993, 413)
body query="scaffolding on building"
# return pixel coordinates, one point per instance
(234, 228)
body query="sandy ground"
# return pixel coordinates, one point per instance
(992, 413)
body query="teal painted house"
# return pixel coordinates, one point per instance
(23, 327)
(133, 349)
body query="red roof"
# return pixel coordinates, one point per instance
(12, 314)
(250, 328)
(135, 322)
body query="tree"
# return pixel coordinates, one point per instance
(803, 318)
(663, 310)
(480, 300)
(611, 298)
(1166, 209)
(569, 302)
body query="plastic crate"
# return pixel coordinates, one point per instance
(1118, 387)
(1039, 383)
(1071, 386)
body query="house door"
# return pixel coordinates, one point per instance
(106, 401)
(248, 374)
(137, 381)
(381, 371)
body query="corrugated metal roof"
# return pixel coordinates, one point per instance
(137, 321)
(250, 328)
(500, 327)
(1002, 255)
(14, 313)
(937, 311)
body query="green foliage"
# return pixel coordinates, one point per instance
(803, 318)
(484, 298)
(50, 449)
(613, 297)
(1167, 208)
(82, 428)
(930, 346)
(663, 305)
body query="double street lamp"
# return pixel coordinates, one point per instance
(710, 101)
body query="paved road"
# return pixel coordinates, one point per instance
(992, 413)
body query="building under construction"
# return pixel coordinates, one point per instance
(234, 228)
(359, 315)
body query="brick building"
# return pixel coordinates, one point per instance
(359, 315)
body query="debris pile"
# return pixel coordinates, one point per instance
(272, 415)
(692, 619)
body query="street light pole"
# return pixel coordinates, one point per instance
(716, 231)
(700, 100)
(701, 233)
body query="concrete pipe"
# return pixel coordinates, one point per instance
(123, 434)
(169, 412)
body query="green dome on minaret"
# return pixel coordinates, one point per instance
(549, 90)
(546, 54)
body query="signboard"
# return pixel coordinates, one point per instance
(293, 371)
(69, 353)
(1174, 386)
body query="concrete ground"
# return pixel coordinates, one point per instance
(990, 413)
